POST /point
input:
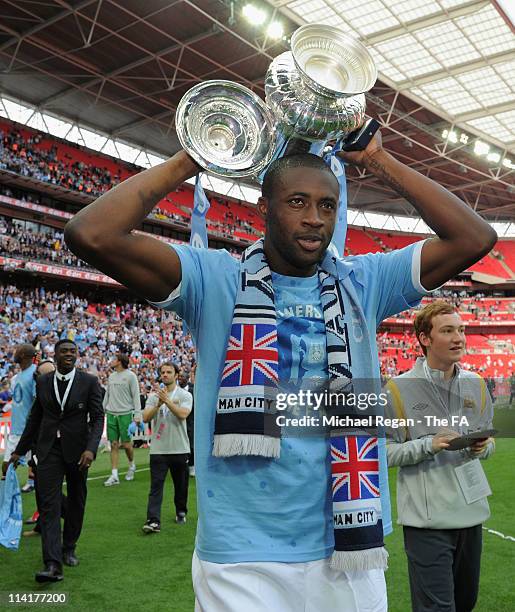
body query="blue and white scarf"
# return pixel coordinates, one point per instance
(245, 421)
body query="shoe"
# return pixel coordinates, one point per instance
(180, 519)
(70, 559)
(130, 473)
(29, 534)
(33, 519)
(51, 573)
(151, 527)
(192, 470)
(112, 480)
(28, 488)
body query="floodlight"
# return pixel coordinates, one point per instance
(275, 30)
(253, 14)
(481, 148)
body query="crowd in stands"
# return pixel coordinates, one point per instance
(42, 317)
(48, 246)
(224, 227)
(148, 336)
(20, 154)
(151, 337)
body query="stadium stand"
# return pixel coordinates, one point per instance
(102, 327)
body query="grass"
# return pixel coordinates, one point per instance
(121, 568)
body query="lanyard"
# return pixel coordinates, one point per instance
(62, 402)
(437, 393)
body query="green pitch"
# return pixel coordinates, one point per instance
(122, 569)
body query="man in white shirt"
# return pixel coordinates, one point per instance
(167, 409)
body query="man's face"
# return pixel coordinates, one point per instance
(446, 341)
(167, 375)
(183, 379)
(114, 361)
(66, 356)
(300, 219)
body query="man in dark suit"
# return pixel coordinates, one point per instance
(67, 419)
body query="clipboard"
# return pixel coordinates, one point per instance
(470, 438)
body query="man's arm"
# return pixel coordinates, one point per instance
(462, 236)
(178, 407)
(105, 401)
(101, 233)
(151, 408)
(482, 449)
(136, 403)
(96, 416)
(29, 435)
(400, 449)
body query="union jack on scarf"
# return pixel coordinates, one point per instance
(252, 357)
(354, 468)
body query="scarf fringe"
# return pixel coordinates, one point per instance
(360, 560)
(230, 445)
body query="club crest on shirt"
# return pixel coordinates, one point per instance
(420, 407)
(469, 403)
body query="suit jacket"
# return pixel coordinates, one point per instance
(80, 423)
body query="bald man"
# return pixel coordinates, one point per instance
(23, 390)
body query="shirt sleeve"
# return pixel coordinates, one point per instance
(197, 267)
(392, 280)
(186, 400)
(105, 401)
(152, 401)
(136, 403)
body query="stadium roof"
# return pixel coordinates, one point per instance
(445, 95)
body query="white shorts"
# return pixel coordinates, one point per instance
(10, 446)
(285, 587)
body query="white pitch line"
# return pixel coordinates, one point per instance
(499, 534)
(146, 469)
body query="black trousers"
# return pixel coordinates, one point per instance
(49, 483)
(159, 466)
(444, 568)
(64, 501)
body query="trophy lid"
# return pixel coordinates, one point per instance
(333, 63)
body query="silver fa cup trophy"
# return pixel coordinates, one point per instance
(314, 95)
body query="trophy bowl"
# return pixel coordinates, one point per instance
(303, 112)
(331, 62)
(226, 128)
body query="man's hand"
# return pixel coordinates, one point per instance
(86, 459)
(441, 440)
(15, 460)
(162, 395)
(361, 158)
(479, 446)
